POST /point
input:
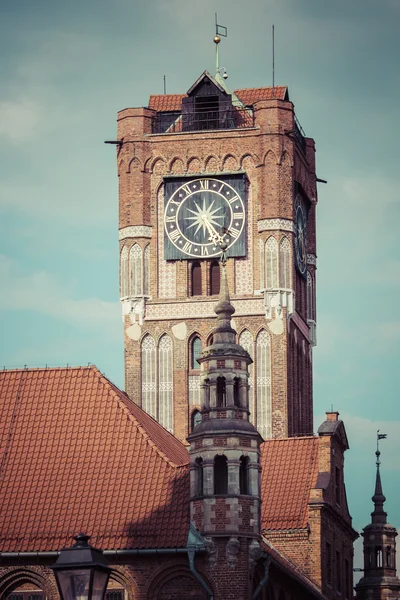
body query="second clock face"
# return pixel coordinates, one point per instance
(300, 236)
(199, 213)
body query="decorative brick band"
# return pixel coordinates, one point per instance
(311, 259)
(270, 224)
(199, 310)
(135, 231)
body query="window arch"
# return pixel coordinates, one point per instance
(220, 475)
(149, 390)
(196, 287)
(165, 385)
(284, 264)
(135, 259)
(246, 341)
(236, 393)
(221, 391)
(263, 365)
(310, 297)
(199, 476)
(124, 272)
(244, 475)
(214, 278)
(195, 352)
(271, 263)
(196, 418)
(146, 270)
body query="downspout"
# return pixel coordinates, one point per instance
(191, 552)
(264, 580)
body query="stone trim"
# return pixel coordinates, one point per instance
(311, 259)
(202, 309)
(134, 231)
(271, 224)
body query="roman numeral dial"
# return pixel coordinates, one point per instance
(200, 213)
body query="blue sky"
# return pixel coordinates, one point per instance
(69, 67)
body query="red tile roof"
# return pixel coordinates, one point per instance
(251, 95)
(289, 471)
(127, 476)
(173, 102)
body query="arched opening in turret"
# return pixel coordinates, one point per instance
(388, 556)
(199, 476)
(236, 398)
(196, 288)
(214, 278)
(196, 418)
(221, 391)
(220, 475)
(378, 557)
(244, 475)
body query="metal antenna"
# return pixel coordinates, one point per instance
(273, 61)
(165, 85)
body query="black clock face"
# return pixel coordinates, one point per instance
(300, 236)
(201, 213)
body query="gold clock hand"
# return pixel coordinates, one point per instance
(215, 236)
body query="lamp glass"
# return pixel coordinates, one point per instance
(74, 585)
(100, 580)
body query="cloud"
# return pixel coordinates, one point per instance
(44, 293)
(19, 119)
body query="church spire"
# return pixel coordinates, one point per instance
(378, 515)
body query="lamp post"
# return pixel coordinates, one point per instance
(81, 571)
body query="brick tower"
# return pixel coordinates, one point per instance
(379, 581)
(225, 457)
(192, 166)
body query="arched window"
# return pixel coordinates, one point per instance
(165, 386)
(196, 418)
(221, 391)
(271, 263)
(263, 365)
(246, 341)
(378, 556)
(310, 297)
(262, 264)
(199, 476)
(284, 264)
(236, 385)
(146, 270)
(149, 390)
(388, 556)
(195, 353)
(196, 279)
(220, 475)
(214, 278)
(244, 475)
(124, 273)
(135, 256)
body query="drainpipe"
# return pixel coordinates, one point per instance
(191, 552)
(264, 580)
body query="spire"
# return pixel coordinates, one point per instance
(224, 310)
(378, 515)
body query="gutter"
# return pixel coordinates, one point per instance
(264, 580)
(191, 552)
(113, 553)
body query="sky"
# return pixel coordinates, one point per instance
(68, 67)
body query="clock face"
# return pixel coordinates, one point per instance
(201, 213)
(300, 236)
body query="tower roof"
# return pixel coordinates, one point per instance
(378, 515)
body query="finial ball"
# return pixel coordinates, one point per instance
(217, 39)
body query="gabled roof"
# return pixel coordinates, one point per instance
(206, 75)
(289, 471)
(76, 454)
(248, 96)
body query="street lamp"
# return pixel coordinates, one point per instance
(81, 571)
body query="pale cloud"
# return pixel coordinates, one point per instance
(19, 119)
(44, 293)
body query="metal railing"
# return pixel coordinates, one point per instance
(299, 135)
(232, 118)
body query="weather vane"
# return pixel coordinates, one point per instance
(379, 436)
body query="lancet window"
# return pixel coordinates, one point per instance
(271, 263)
(157, 379)
(214, 278)
(310, 297)
(284, 264)
(135, 271)
(275, 264)
(220, 475)
(124, 272)
(244, 475)
(246, 341)
(196, 287)
(263, 392)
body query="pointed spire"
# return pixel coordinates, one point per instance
(224, 309)
(378, 515)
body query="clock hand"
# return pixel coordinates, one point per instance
(215, 236)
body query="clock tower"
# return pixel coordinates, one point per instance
(195, 169)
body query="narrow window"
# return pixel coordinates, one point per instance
(196, 279)
(284, 264)
(124, 273)
(262, 264)
(271, 263)
(199, 476)
(221, 391)
(378, 555)
(388, 555)
(236, 384)
(165, 387)
(214, 278)
(195, 353)
(246, 341)
(338, 572)
(263, 367)
(310, 297)
(149, 390)
(136, 270)
(146, 270)
(328, 550)
(244, 475)
(220, 475)
(196, 418)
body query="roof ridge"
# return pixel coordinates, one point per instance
(46, 368)
(122, 399)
